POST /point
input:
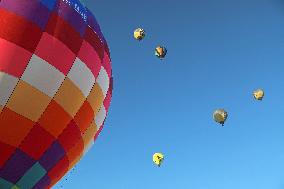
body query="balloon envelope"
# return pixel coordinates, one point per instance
(158, 158)
(139, 34)
(55, 89)
(160, 52)
(220, 116)
(258, 94)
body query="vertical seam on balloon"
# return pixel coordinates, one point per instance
(46, 174)
(79, 129)
(102, 125)
(81, 136)
(63, 108)
(43, 111)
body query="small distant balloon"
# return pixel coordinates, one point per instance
(158, 159)
(160, 52)
(220, 116)
(258, 94)
(139, 34)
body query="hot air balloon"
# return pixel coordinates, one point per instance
(160, 52)
(139, 34)
(158, 159)
(220, 116)
(55, 89)
(258, 94)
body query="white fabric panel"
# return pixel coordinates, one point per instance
(100, 117)
(82, 76)
(103, 81)
(43, 76)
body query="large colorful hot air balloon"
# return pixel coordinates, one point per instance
(55, 89)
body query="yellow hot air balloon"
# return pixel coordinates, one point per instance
(220, 116)
(139, 34)
(158, 158)
(258, 94)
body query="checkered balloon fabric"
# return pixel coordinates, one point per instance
(55, 89)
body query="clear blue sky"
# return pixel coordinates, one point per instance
(218, 53)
